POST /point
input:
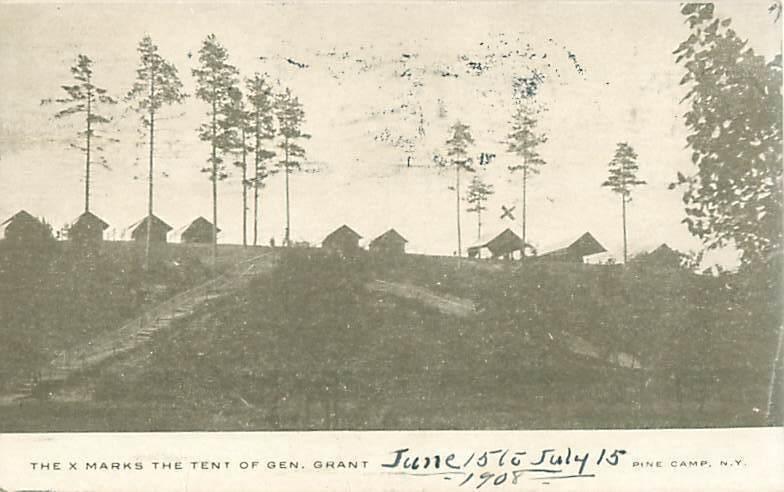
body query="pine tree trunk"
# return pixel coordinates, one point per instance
(214, 189)
(457, 209)
(623, 203)
(256, 186)
(147, 239)
(244, 194)
(525, 187)
(256, 211)
(87, 147)
(479, 227)
(479, 221)
(287, 238)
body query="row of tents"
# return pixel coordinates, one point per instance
(506, 245)
(24, 228)
(88, 227)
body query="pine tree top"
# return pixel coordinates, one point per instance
(457, 146)
(215, 75)
(157, 81)
(524, 139)
(623, 171)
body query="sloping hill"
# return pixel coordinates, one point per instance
(61, 307)
(115, 341)
(310, 346)
(457, 306)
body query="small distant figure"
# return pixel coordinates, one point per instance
(272, 242)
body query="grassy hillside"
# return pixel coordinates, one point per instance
(659, 314)
(53, 296)
(311, 347)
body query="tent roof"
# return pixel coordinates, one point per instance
(20, 215)
(90, 218)
(585, 245)
(200, 221)
(507, 235)
(390, 235)
(343, 231)
(156, 222)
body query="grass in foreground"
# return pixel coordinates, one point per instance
(311, 348)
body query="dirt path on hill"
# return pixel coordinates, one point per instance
(451, 305)
(138, 331)
(463, 308)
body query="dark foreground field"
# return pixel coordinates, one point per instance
(53, 295)
(309, 346)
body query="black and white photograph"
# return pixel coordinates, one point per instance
(393, 216)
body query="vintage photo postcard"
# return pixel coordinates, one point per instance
(391, 246)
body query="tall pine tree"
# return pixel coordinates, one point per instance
(457, 145)
(215, 79)
(622, 178)
(523, 141)
(290, 115)
(262, 121)
(478, 194)
(238, 124)
(157, 85)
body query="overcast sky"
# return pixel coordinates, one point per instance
(368, 74)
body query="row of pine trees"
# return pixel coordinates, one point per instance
(245, 118)
(247, 124)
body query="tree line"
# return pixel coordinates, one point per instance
(247, 124)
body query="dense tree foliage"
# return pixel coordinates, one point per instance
(735, 125)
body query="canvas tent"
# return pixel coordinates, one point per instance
(575, 252)
(505, 245)
(389, 243)
(343, 240)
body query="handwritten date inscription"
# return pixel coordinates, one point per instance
(504, 466)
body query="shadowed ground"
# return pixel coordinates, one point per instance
(317, 344)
